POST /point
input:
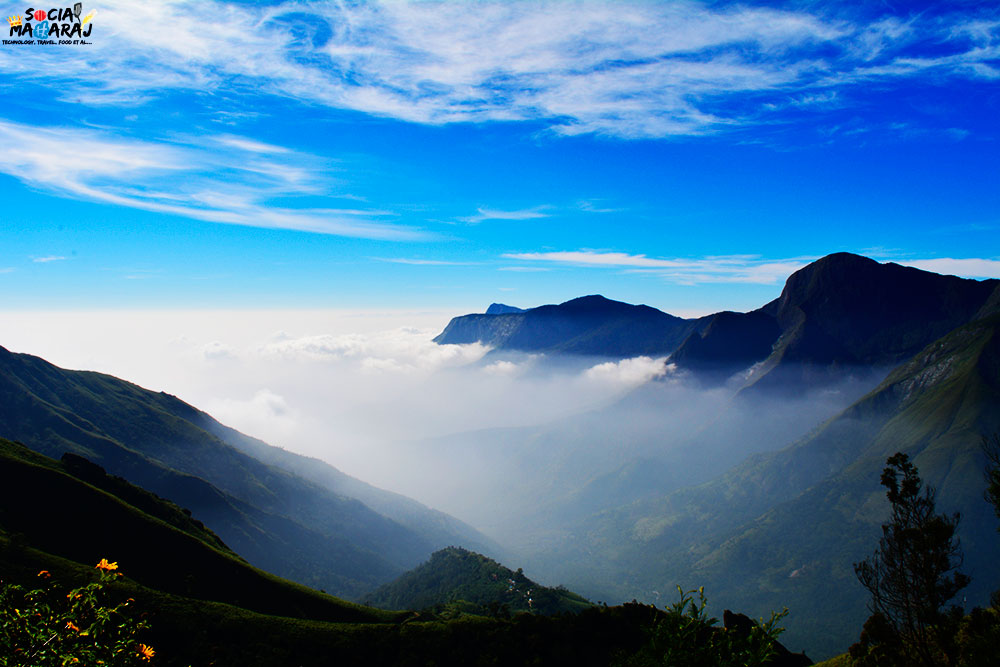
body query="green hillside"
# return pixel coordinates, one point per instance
(784, 528)
(206, 606)
(474, 583)
(46, 507)
(275, 518)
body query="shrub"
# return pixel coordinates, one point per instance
(685, 636)
(50, 626)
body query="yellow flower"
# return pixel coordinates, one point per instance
(106, 566)
(145, 652)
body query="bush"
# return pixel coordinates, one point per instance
(685, 636)
(50, 626)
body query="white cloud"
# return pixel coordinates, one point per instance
(523, 269)
(729, 269)
(493, 214)
(630, 372)
(968, 268)
(218, 350)
(249, 145)
(403, 350)
(636, 69)
(265, 415)
(502, 368)
(48, 258)
(184, 179)
(590, 258)
(421, 262)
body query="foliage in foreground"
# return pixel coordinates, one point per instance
(913, 574)
(685, 636)
(49, 626)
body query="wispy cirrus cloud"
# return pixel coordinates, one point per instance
(724, 269)
(47, 259)
(967, 268)
(483, 214)
(741, 268)
(422, 262)
(184, 178)
(624, 69)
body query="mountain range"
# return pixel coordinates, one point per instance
(763, 514)
(839, 312)
(590, 325)
(750, 466)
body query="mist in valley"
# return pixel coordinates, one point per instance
(528, 449)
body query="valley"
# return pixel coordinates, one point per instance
(741, 472)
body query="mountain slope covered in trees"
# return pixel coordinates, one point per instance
(784, 528)
(471, 582)
(305, 529)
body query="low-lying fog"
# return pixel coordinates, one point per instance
(514, 444)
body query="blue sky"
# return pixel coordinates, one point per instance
(446, 155)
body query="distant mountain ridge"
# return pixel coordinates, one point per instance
(911, 362)
(589, 325)
(502, 309)
(838, 312)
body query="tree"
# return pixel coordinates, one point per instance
(685, 636)
(911, 576)
(991, 448)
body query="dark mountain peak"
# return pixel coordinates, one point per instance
(592, 301)
(838, 260)
(599, 305)
(846, 280)
(728, 343)
(502, 309)
(845, 310)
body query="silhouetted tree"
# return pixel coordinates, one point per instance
(991, 448)
(911, 576)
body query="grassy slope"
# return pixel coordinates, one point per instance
(784, 528)
(455, 574)
(188, 631)
(46, 508)
(273, 517)
(206, 606)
